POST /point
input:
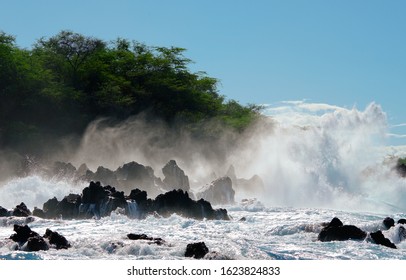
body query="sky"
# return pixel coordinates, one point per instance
(338, 53)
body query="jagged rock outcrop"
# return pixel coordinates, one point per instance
(219, 192)
(175, 177)
(21, 210)
(134, 174)
(98, 201)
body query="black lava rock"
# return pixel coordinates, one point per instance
(196, 250)
(336, 231)
(379, 238)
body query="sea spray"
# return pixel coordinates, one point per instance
(308, 155)
(35, 190)
(318, 156)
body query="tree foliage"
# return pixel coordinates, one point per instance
(64, 82)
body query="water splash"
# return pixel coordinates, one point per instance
(319, 155)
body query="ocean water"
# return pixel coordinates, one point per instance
(280, 233)
(317, 162)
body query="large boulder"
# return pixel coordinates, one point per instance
(175, 177)
(56, 239)
(68, 207)
(27, 239)
(388, 222)
(21, 210)
(218, 192)
(179, 202)
(35, 243)
(196, 250)
(50, 207)
(336, 231)
(380, 239)
(22, 234)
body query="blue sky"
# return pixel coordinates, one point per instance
(342, 53)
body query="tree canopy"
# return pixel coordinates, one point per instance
(68, 80)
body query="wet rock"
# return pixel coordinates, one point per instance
(21, 211)
(22, 234)
(196, 250)
(3, 212)
(38, 212)
(158, 241)
(56, 239)
(68, 207)
(35, 243)
(219, 192)
(380, 239)
(50, 207)
(94, 193)
(402, 221)
(175, 177)
(336, 231)
(138, 196)
(99, 201)
(178, 201)
(388, 222)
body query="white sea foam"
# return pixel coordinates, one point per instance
(35, 190)
(277, 233)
